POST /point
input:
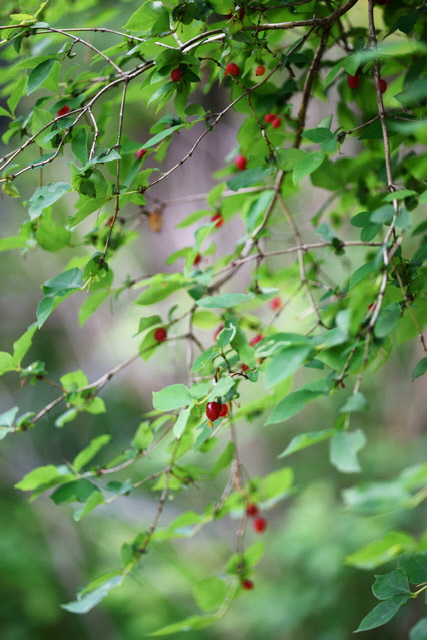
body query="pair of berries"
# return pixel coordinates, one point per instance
(218, 219)
(215, 410)
(272, 119)
(354, 81)
(259, 523)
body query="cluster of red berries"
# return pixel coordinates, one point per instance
(354, 81)
(271, 118)
(259, 523)
(215, 410)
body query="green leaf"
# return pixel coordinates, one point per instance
(90, 451)
(181, 423)
(143, 18)
(382, 551)
(361, 274)
(247, 178)
(193, 622)
(345, 446)
(224, 459)
(276, 485)
(93, 501)
(308, 165)
(382, 613)
(294, 402)
(377, 497)
(92, 595)
(415, 567)
(285, 363)
(39, 74)
(305, 440)
(356, 402)
(387, 320)
(173, 397)
(91, 304)
(210, 593)
(419, 632)
(420, 368)
(160, 287)
(76, 491)
(224, 384)
(147, 322)
(225, 300)
(391, 584)
(45, 196)
(162, 135)
(7, 363)
(204, 358)
(46, 475)
(65, 282)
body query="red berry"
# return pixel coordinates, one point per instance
(213, 410)
(256, 339)
(245, 367)
(259, 524)
(218, 219)
(63, 110)
(160, 334)
(247, 584)
(260, 70)
(240, 162)
(353, 81)
(276, 123)
(224, 411)
(252, 510)
(383, 85)
(275, 303)
(176, 75)
(232, 69)
(197, 259)
(269, 117)
(141, 153)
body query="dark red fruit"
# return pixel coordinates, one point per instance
(383, 85)
(276, 123)
(241, 162)
(247, 584)
(176, 75)
(224, 411)
(353, 81)
(63, 110)
(160, 334)
(252, 510)
(260, 70)
(197, 259)
(141, 153)
(218, 219)
(256, 339)
(213, 410)
(245, 367)
(232, 69)
(259, 524)
(269, 117)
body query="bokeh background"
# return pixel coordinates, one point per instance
(304, 588)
